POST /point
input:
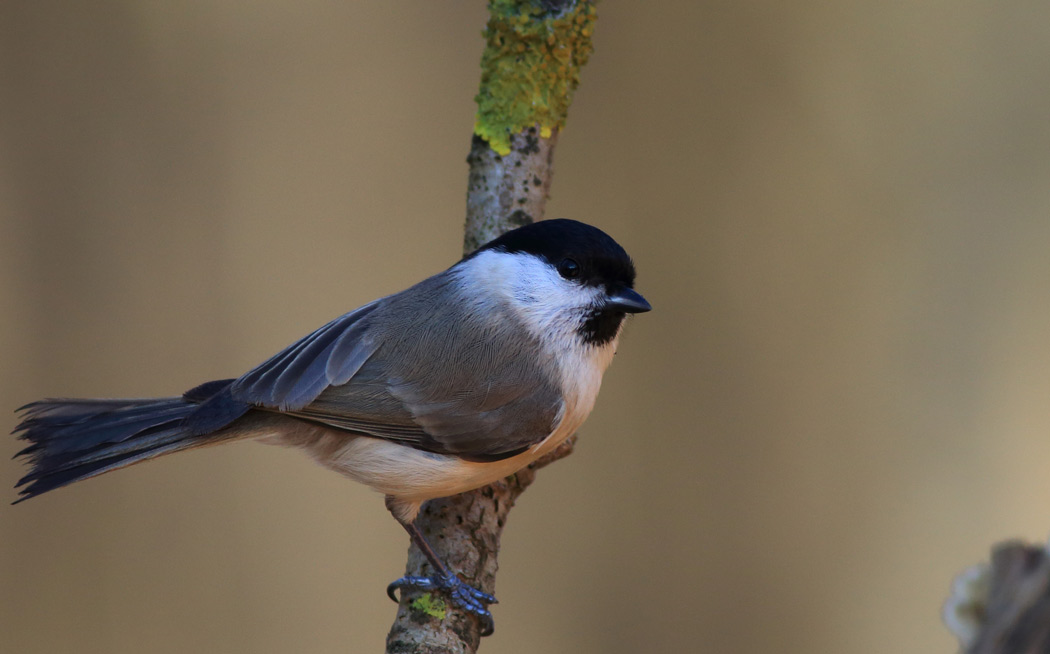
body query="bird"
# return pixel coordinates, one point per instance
(454, 383)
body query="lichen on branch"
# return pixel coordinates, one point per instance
(530, 68)
(534, 51)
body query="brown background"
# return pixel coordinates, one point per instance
(842, 398)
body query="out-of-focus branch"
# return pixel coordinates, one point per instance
(1003, 607)
(530, 67)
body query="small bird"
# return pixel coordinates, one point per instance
(454, 383)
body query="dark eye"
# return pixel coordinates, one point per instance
(569, 269)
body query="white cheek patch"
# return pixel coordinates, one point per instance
(552, 309)
(548, 305)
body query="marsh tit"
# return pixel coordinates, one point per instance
(454, 383)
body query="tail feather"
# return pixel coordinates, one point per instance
(70, 440)
(68, 429)
(142, 443)
(63, 477)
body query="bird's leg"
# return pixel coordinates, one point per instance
(469, 599)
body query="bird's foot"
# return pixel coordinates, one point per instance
(467, 598)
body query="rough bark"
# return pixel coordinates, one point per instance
(530, 68)
(504, 192)
(465, 531)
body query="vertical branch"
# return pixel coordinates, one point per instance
(507, 191)
(534, 51)
(530, 67)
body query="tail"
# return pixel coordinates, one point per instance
(72, 440)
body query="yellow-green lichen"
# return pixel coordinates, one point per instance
(531, 66)
(432, 606)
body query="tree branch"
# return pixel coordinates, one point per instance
(530, 68)
(509, 191)
(1003, 607)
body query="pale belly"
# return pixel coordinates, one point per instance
(411, 476)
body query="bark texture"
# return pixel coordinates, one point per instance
(530, 68)
(464, 530)
(504, 192)
(507, 191)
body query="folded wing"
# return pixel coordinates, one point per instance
(433, 376)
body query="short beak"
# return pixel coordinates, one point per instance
(621, 298)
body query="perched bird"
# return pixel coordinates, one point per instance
(454, 383)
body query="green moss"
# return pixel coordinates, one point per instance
(530, 67)
(432, 606)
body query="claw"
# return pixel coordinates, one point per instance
(467, 598)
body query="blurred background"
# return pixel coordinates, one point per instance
(841, 214)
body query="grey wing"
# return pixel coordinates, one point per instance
(419, 372)
(507, 421)
(485, 422)
(294, 377)
(447, 382)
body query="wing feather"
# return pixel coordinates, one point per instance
(294, 377)
(428, 373)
